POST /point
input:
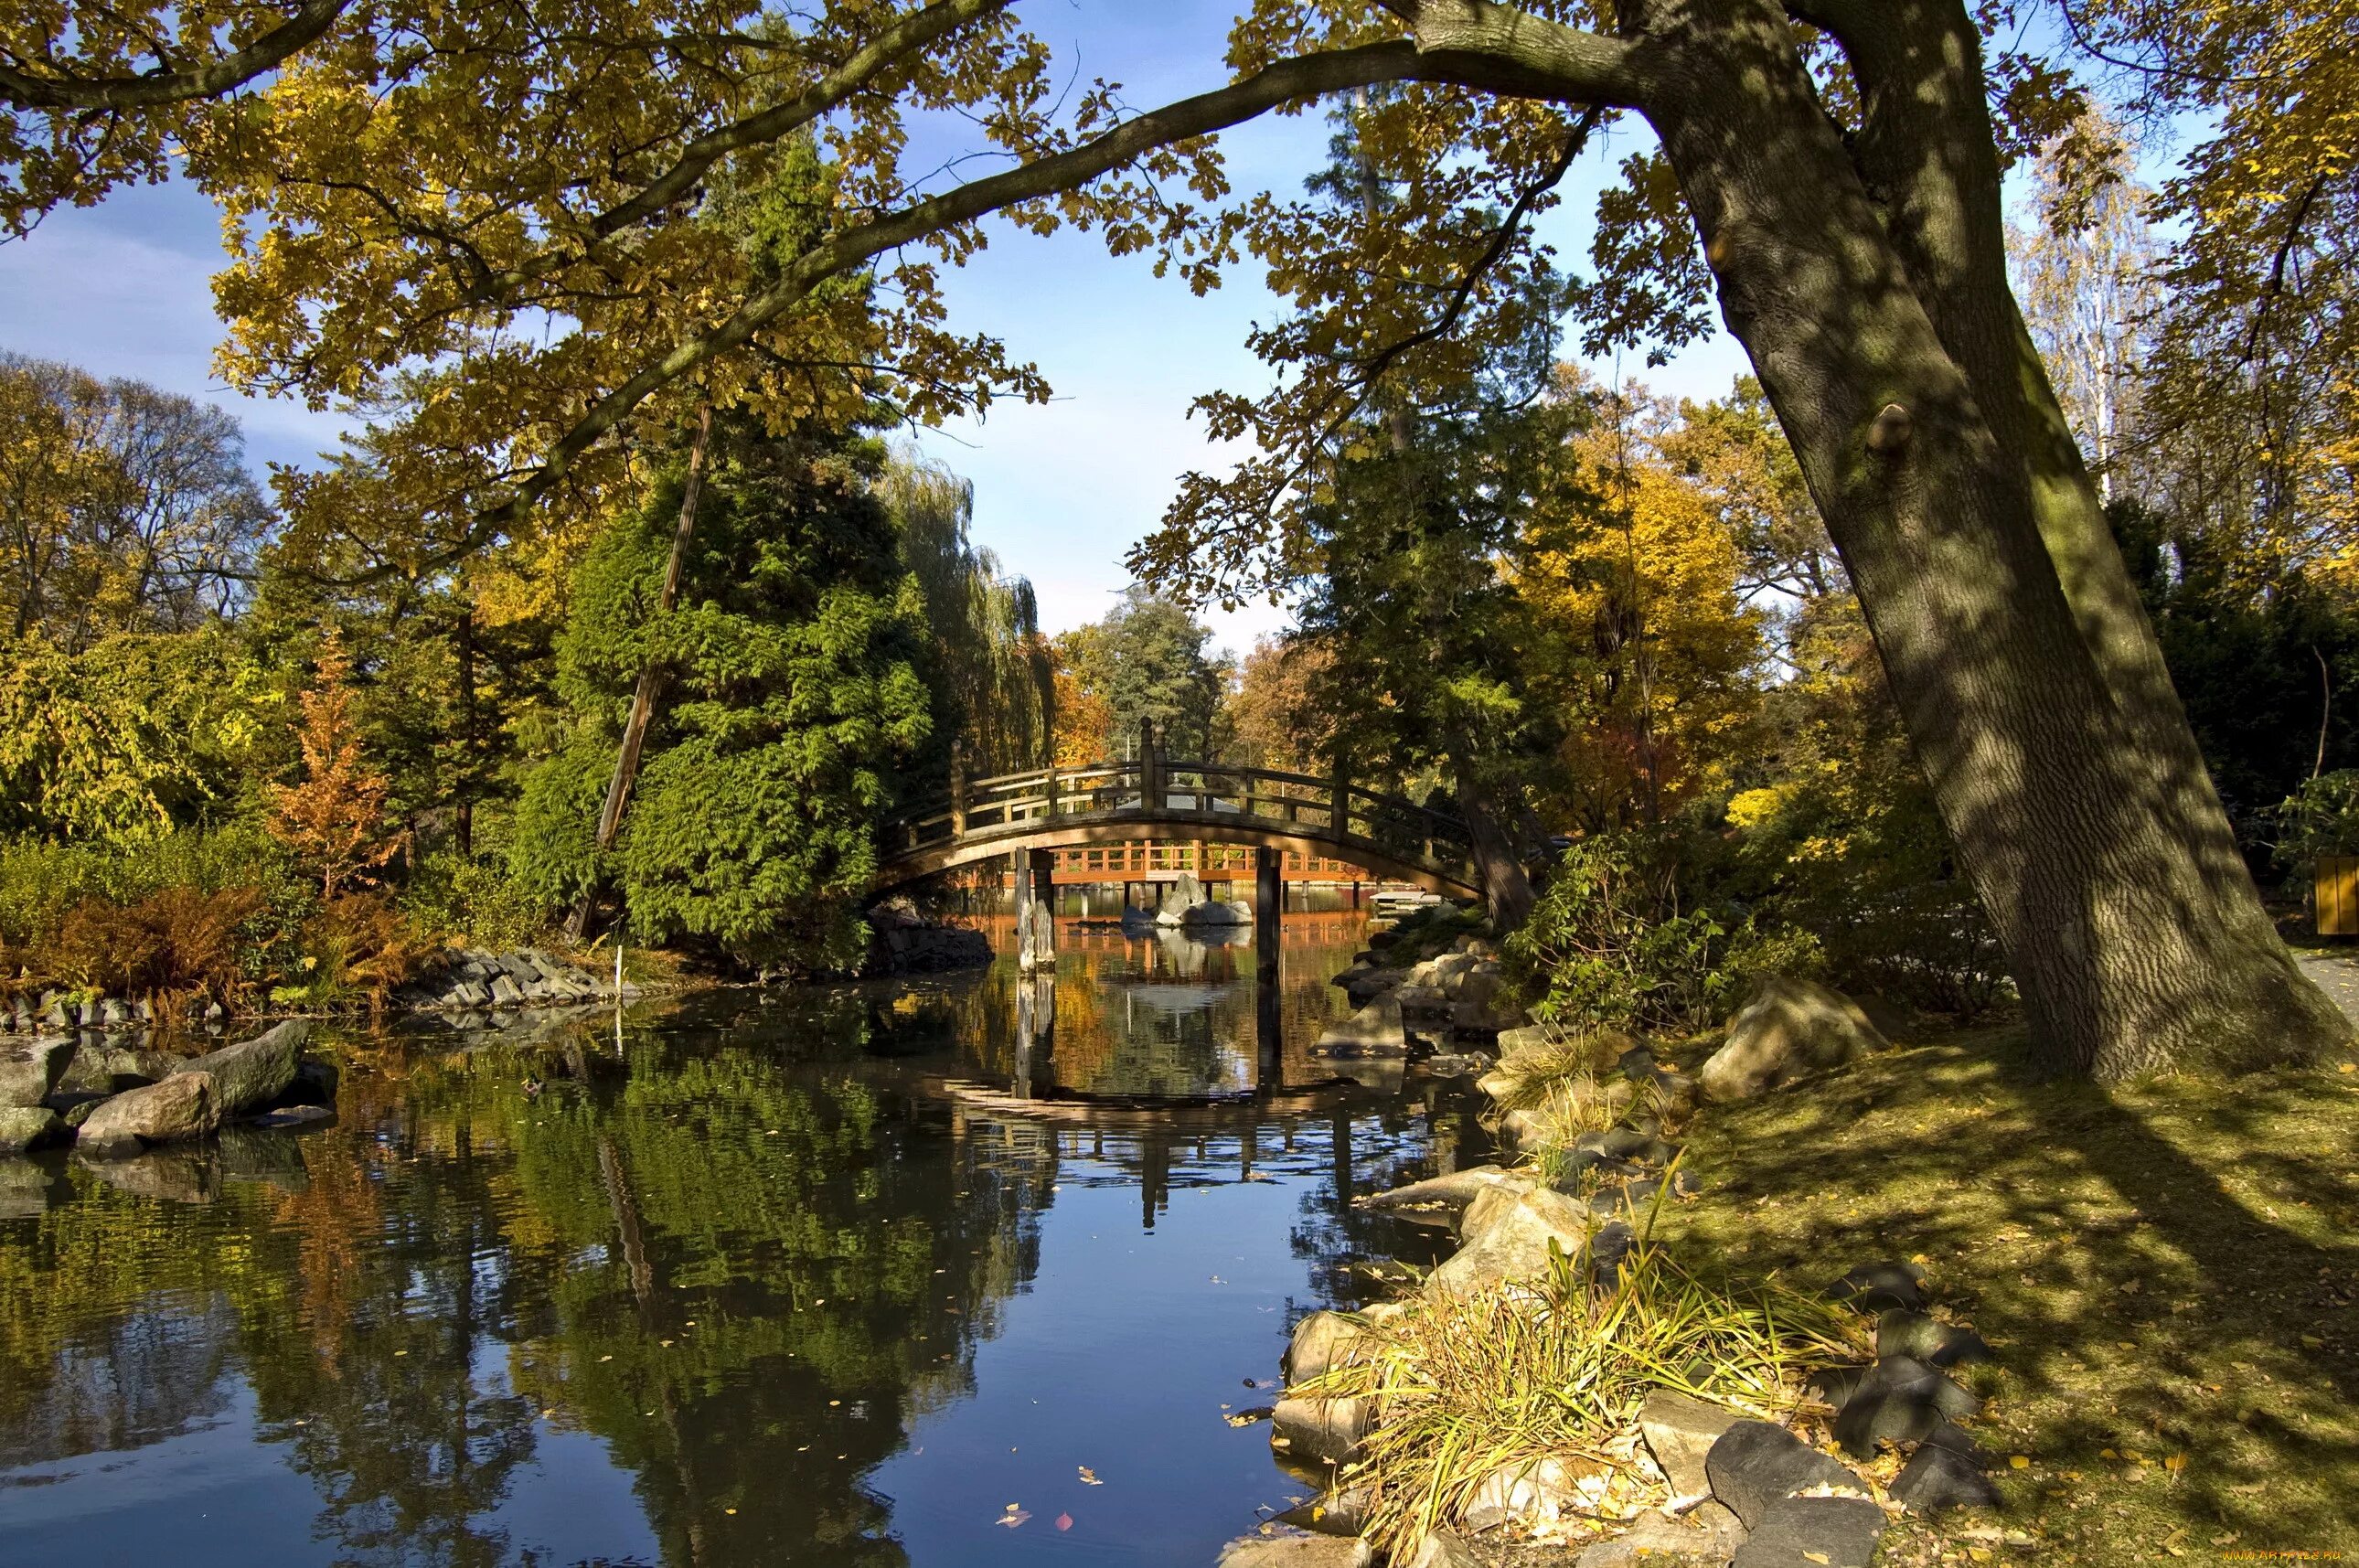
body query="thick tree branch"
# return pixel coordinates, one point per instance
(1596, 74)
(20, 90)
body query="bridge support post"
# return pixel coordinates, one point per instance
(1269, 909)
(1036, 908)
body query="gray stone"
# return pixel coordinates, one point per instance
(1791, 1027)
(1321, 1430)
(1442, 1549)
(1814, 1532)
(1704, 1537)
(1833, 1385)
(1928, 1340)
(1326, 1340)
(506, 992)
(1679, 1430)
(1510, 1236)
(1528, 1492)
(1882, 1287)
(1900, 1400)
(1445, 1196)
(180, 1107)
(1292, 1551)
(1375, 1028)
(291, 1116)
(29, 1126)
(31, 1075)
(103, 1069)
(1367, 984)
(470, 994)
(1937, 1478)
(1754, 1465)
(250, 1074)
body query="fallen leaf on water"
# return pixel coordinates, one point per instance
(1011, 1520)
(1065, 1521)
(1090, 1477)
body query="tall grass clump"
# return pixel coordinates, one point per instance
(1568, 1082)
(1468, 1385)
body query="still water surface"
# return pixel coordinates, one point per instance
(828, 1278)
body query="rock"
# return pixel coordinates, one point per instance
(291, 1116)
(1444, 1197)
(182, 1174)
(1215, 913)
(1375, 1028)
(1487, 1018)
(1325, 1340)
(1789, 1028)
(1754, 1465)
(1882, 1287)
(1937, 1478)
(1531, 1491)
(1321, 1430)
(114, 1015)
(1607, 1251)
(180, 1107)
(315, 1085)
(103, 1069)
(82, 1109)
(1509, 1235)
(1928, 1340)
(1900, 1400)
(1705, 1537)
(250, 1074)
(1453, 1064)
(29, 1126)
(31, 1075)
(1442, 1549)
(506, 992)
(1814, 1532)
(1369, 985)
(1292, 1551)
(1680, 1431)
(1833, 1385)
(469, 994)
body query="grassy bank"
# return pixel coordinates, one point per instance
(2168, 1274)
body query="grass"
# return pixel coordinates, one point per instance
(2168, 1272)
(1552, 1369)
(1569, 1088)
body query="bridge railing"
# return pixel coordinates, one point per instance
(1155, 788)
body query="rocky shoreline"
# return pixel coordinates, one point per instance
(109, 1101)
(1699, 1483)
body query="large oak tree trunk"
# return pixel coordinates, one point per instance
(1883, 330)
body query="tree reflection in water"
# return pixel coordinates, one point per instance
(747, 1244)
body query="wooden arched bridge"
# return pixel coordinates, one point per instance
(1152, 797)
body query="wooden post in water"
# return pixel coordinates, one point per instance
(1270, 909)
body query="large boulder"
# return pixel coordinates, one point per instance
(31, 1075)
(1802, 1532)
(102, 1069)
(1376, 1029)
(1789, 1028)
(1326, 1340)
(180, 1107)
(1215, 913)
(1321, 1431)
(1680, 1431)
(29, 1126)
(1508, 1237)
(1292, 1551)
(1755, 1464)
(248, 1076)
(1184, 893)
(1706, 1536)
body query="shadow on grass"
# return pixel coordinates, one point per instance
(2168, 1271)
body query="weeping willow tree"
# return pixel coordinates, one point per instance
(993, 681)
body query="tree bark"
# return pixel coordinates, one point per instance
(650, 684)
(2030, 685)
(1506, 886)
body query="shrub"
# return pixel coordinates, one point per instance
(2319, 818)
(182, 941)
(357, 948)
(1610, 941)
(480, 901)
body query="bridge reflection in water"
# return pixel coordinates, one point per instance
(1140, 1048)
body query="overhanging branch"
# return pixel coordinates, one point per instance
(51, 94)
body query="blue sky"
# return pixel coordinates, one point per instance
(1062, 490)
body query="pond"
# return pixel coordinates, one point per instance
(960, 1271)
